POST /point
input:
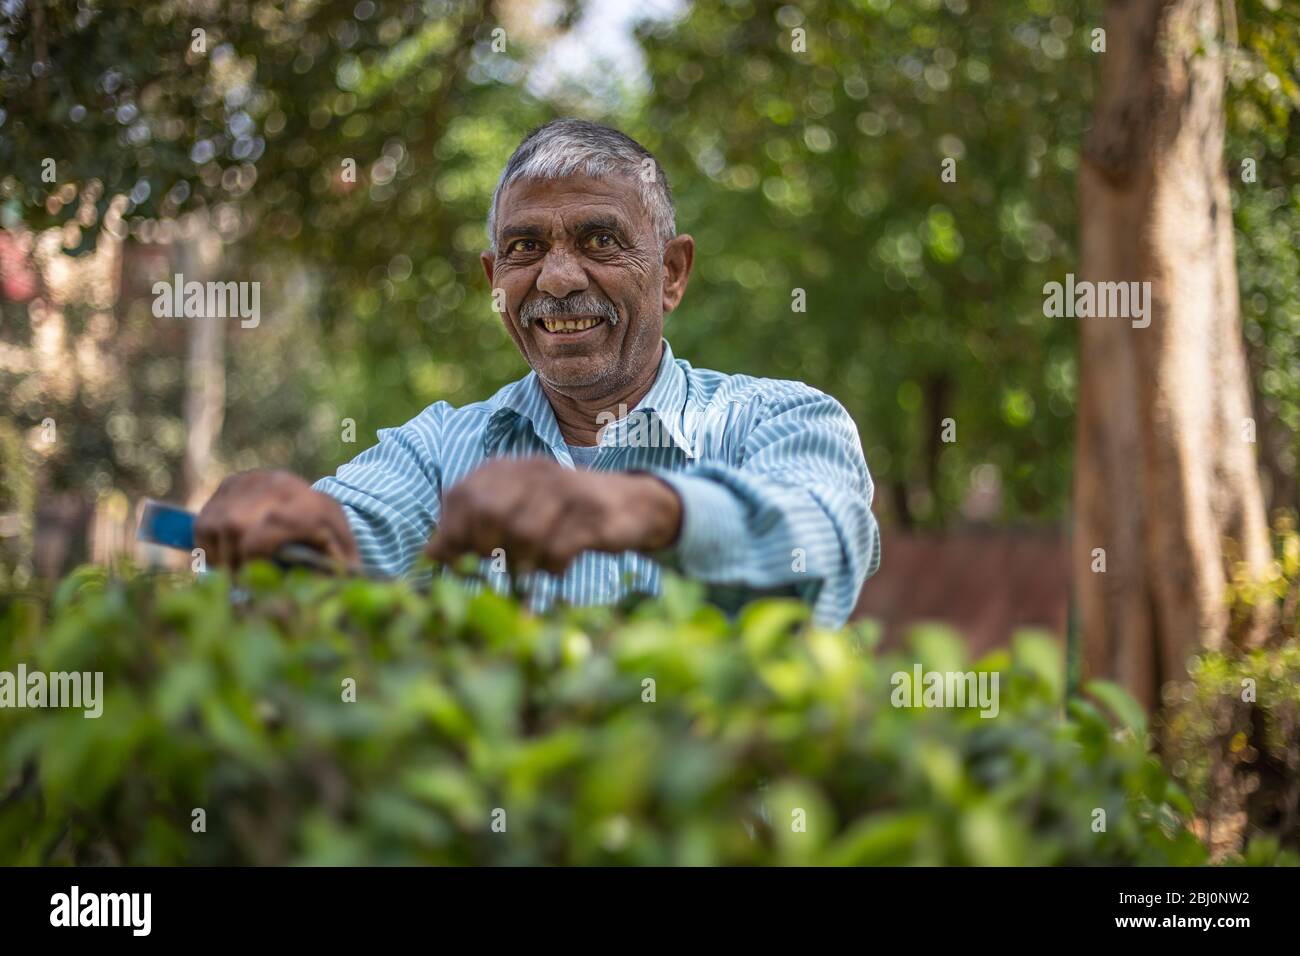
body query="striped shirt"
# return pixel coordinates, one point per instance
(775, 492)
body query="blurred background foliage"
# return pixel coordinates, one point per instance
(804, 144)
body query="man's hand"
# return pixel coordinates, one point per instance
(544, 515)
(254, 513)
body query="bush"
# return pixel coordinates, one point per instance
(1233, 729)
(17, 508)
(654, 734)
(1234, 737)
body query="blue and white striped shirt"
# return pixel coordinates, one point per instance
(775, 492)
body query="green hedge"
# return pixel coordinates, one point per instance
(1233, 732)
(469, 710)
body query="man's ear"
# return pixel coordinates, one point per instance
(489, 260)
(679, 257)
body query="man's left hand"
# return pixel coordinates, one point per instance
(544, 515)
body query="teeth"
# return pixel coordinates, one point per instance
(568, 325)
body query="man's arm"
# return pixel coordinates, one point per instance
(390, 495)
(543, 515)
(377, 511)
(796, 512)
(255, 513)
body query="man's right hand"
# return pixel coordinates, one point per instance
(255, 513)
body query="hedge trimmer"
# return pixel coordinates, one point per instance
(173, 527)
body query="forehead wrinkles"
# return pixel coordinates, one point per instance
(531, 204)
(559, 219)
(569, 219)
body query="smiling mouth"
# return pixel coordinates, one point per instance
(569, 324)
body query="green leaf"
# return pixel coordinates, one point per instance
(1123, 707)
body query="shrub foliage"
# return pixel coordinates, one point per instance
(660, 733)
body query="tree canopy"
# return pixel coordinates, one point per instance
(879, 192)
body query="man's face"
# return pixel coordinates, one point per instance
(586, 283)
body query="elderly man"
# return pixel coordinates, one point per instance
(611, 458)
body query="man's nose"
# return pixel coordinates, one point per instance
(561, 274)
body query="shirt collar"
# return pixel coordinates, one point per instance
(526, 400)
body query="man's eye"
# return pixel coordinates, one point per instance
(601, 240)
(523, 245)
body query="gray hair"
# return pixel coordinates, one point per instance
(565, 147)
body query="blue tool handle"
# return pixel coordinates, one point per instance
(167, 525)
(173, 527)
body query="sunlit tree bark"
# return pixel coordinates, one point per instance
(1166, 482)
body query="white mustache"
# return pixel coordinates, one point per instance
(571, 305)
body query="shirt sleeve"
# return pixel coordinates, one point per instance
(795, 514)
(390, 494)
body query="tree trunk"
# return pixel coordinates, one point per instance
(1165, 478)
(205, 375)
